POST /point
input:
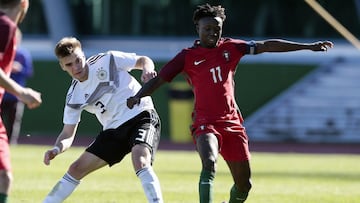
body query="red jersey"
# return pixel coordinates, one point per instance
(210, 72)
(7, 45)
(7, 55)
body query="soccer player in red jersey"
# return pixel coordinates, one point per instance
(12, 12)
(209, 66)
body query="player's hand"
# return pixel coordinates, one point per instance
(31, 98)
(148, 75)
(322, 46)
(50, 155)
(132, 101)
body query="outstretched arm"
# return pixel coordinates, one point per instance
(63, 142)
(279, 45)
(147, 89)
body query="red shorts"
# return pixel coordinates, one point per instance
(5, 163)
(232, 138)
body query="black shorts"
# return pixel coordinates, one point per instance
(112, 145)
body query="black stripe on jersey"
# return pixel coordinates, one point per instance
(94, 58)
(73, 84)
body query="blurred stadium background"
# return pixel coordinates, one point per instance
(302, 96)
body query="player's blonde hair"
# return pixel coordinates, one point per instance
(66, 46)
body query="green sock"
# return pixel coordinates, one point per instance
(3, 198)
(236, 196)
(205, 186)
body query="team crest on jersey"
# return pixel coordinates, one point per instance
(226, 55)
(101, 73)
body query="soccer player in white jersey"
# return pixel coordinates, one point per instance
(101, 84)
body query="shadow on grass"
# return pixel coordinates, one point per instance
(309, 175)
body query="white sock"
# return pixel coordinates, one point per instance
(151, 185)
(62, 189)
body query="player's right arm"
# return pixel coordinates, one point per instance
(63, 142)
(167, 73)
(146, 90)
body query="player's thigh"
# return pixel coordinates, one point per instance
(208, 149)
(85, 164)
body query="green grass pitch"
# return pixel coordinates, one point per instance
(285, 178)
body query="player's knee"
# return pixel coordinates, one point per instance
(5, 178)
(244, 185)
(74, 167)
(141, 156)
(76, 170)
(209, 165)
(248, 184)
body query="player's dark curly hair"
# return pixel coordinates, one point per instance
(207, 10)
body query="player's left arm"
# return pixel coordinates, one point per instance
(63, 142)
(279, 45)
(147, 66)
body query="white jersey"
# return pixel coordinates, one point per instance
(105, 91)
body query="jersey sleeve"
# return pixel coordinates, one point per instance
(124, 61)
(71, 116)
(245, 47)
(173, 67)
